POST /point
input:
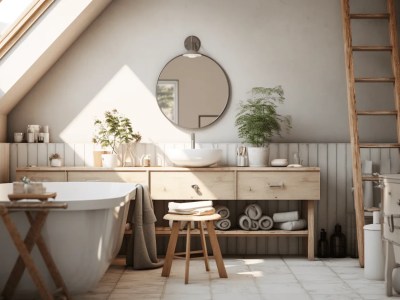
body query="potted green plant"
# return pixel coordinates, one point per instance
(258, 121)
(55, 160)
(111, 132)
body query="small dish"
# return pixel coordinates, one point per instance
(279, 162)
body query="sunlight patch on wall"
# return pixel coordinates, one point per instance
(125, 92)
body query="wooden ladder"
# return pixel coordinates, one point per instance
(354, 113)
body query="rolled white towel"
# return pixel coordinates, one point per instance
(265, 223)
(254, 225)
(286, 216)
(292, 225)
(223, 211)
(223, 224)
(253, 211)
(187, 206)
(244, 222)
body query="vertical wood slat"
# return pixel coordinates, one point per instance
(4, 162)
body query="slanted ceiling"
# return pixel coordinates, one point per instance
(44, 43)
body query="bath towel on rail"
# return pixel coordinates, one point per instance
(142, 249)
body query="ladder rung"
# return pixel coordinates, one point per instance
(369, 16)
(382, 145)
(372, 209)
(377, 113)
(371, 48)
(374, 79)
(369, 178)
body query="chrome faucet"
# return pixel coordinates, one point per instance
(192, 140)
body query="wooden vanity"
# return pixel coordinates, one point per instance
(220, 183)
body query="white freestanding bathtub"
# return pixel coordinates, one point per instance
(83, 239)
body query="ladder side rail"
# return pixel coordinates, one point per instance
(395, 60)
(356, 161)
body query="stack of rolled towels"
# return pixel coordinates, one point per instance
(289, 221)
(224, 223)
(253, 219)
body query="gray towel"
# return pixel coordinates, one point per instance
(142, 249)
(292, 225)
(223, 211)
(253, 211)
(286, 216)
(244, 222)
(254, 225)
(223, 224)
(265, 223)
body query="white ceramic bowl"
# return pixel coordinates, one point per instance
(279, 162)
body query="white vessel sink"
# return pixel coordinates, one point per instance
(194, 157)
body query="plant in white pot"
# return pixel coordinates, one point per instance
(55, 160)
(111, 132)
(258, 121)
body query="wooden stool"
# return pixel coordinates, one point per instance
(176, 224)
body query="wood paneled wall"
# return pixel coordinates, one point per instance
(334, 160)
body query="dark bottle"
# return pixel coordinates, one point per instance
(323, 245)
(338, 243)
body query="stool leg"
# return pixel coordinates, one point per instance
(204, 246)
(216, 249)
(169, 256)
(187, 262)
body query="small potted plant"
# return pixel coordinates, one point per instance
(258, 121)
(55, 160)
(111, 132)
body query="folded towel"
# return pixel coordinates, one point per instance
(223, 224)
(292, 225)
(254, 225)
(286, 216)
(253, 211)
(195, 212)
(244, 222)
(265, 223)
(223, 211)
(185, 206)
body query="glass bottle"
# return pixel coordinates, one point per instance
(323, 245)
(338, 243)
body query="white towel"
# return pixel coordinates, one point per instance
(286, 216)
(253, 211)
(291, 225)
(254, 225)
(223, 211)
(265, 223)
(196, 211)
(187, 206)
(244, 222)
(223, 224)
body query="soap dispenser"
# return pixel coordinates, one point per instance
(338, 243)
(323, 245)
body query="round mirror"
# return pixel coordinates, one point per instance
(192, 92)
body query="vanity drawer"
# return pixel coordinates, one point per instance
(48, 176)
(278, 185)
(183, 185)
(133, 177)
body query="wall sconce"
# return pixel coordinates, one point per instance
(192, 45)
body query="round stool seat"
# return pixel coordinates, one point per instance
(189, 218)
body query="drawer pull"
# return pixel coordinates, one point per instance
(196, 189)
(276, 185)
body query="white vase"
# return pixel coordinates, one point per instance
(55, 162)
(109, 160)
(258, 156)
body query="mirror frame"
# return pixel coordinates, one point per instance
(220, 114)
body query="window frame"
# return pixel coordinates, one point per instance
(17, 30)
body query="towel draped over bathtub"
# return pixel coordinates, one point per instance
(142, 248)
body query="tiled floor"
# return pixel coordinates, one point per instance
(263, 278)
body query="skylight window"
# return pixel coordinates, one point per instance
(15, 19)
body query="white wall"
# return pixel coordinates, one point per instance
(116, 63)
